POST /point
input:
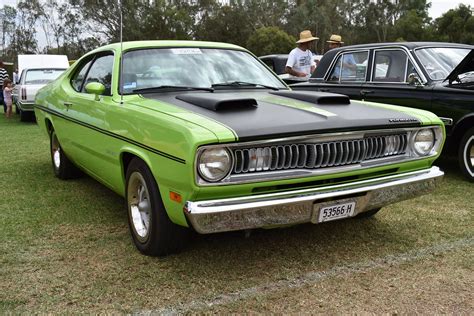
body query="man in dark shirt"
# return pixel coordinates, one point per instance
(3, 76)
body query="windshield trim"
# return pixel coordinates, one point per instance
(120, 64)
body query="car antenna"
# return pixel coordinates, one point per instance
(121, 54)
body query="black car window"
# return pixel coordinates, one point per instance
(269, 63)
(101, 71)
(78, 78)
(350, 67)
(390, 66)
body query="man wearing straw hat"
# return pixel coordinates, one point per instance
(300, 60)
(335, 41)
(348, 62)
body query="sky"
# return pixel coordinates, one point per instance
(438, 7)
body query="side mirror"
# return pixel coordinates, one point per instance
(96, 88)
(414, 80)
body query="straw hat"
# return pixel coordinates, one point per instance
(337, 39)
(306, 36)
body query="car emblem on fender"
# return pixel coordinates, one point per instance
(402, 120)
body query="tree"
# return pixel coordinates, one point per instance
(270, 40)
(456, 25)
(410, 27)
(24, 37)
(7, 27)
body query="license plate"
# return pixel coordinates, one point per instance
(338, 211)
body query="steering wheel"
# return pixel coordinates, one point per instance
(438, 74)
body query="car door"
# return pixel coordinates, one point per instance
(347, 75)
(88, 134)
(388, 82)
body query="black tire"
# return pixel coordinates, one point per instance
(25, 116)
(17, 109)
(466, 154)
(63, 168)
(368, 213)
(152, 231)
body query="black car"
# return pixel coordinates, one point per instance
(438, 77)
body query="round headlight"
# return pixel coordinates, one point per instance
(214, 164)
(424, 141)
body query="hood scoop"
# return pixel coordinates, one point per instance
(219, 101)
(320, 98)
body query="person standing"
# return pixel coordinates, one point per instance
(7, 97)
(3, 76)
(349, 64)
(300, 62)
(16, 79)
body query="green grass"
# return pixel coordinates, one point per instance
(65, 247)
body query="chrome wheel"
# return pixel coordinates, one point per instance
(469, 155)
(139, 206)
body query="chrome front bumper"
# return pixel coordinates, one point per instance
(302, 206)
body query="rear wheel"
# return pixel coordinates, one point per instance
(152, 231)
(368, 213)
(25, 116)
(63, 168)
(466, 154)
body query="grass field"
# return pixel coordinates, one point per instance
(65, 248)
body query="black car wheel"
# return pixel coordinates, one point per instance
(466, 154)
(152, 231)
(63, 168)
(25, 116)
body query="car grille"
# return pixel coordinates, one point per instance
(318, 155)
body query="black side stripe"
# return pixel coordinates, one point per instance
(105, 132)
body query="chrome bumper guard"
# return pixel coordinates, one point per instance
(303, 206)
(26, 107)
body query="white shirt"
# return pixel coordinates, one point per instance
(301, 61)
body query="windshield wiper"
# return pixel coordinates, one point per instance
(170, 87)
(243, 84)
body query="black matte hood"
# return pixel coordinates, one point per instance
(286, 113)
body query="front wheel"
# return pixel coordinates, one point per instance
(152, 231)
(466, 154)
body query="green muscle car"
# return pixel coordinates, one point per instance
(203, 136)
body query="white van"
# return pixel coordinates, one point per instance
(36, 71)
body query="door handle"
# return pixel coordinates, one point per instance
(67, 104)
(364, 92)
(324, 89)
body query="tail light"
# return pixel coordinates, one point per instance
(23, 93)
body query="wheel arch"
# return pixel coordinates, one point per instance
(126, 156)
(49, 125)
(461, 127)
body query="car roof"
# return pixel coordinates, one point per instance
(408, 45)
(274, 56)
(164, 43)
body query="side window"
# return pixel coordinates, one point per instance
(101, 71)
(78, 79)
(350, 67)
(390, 66)
(269, 63)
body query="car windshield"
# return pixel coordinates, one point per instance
(40, 76)
(439, 62)
(195, 68)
